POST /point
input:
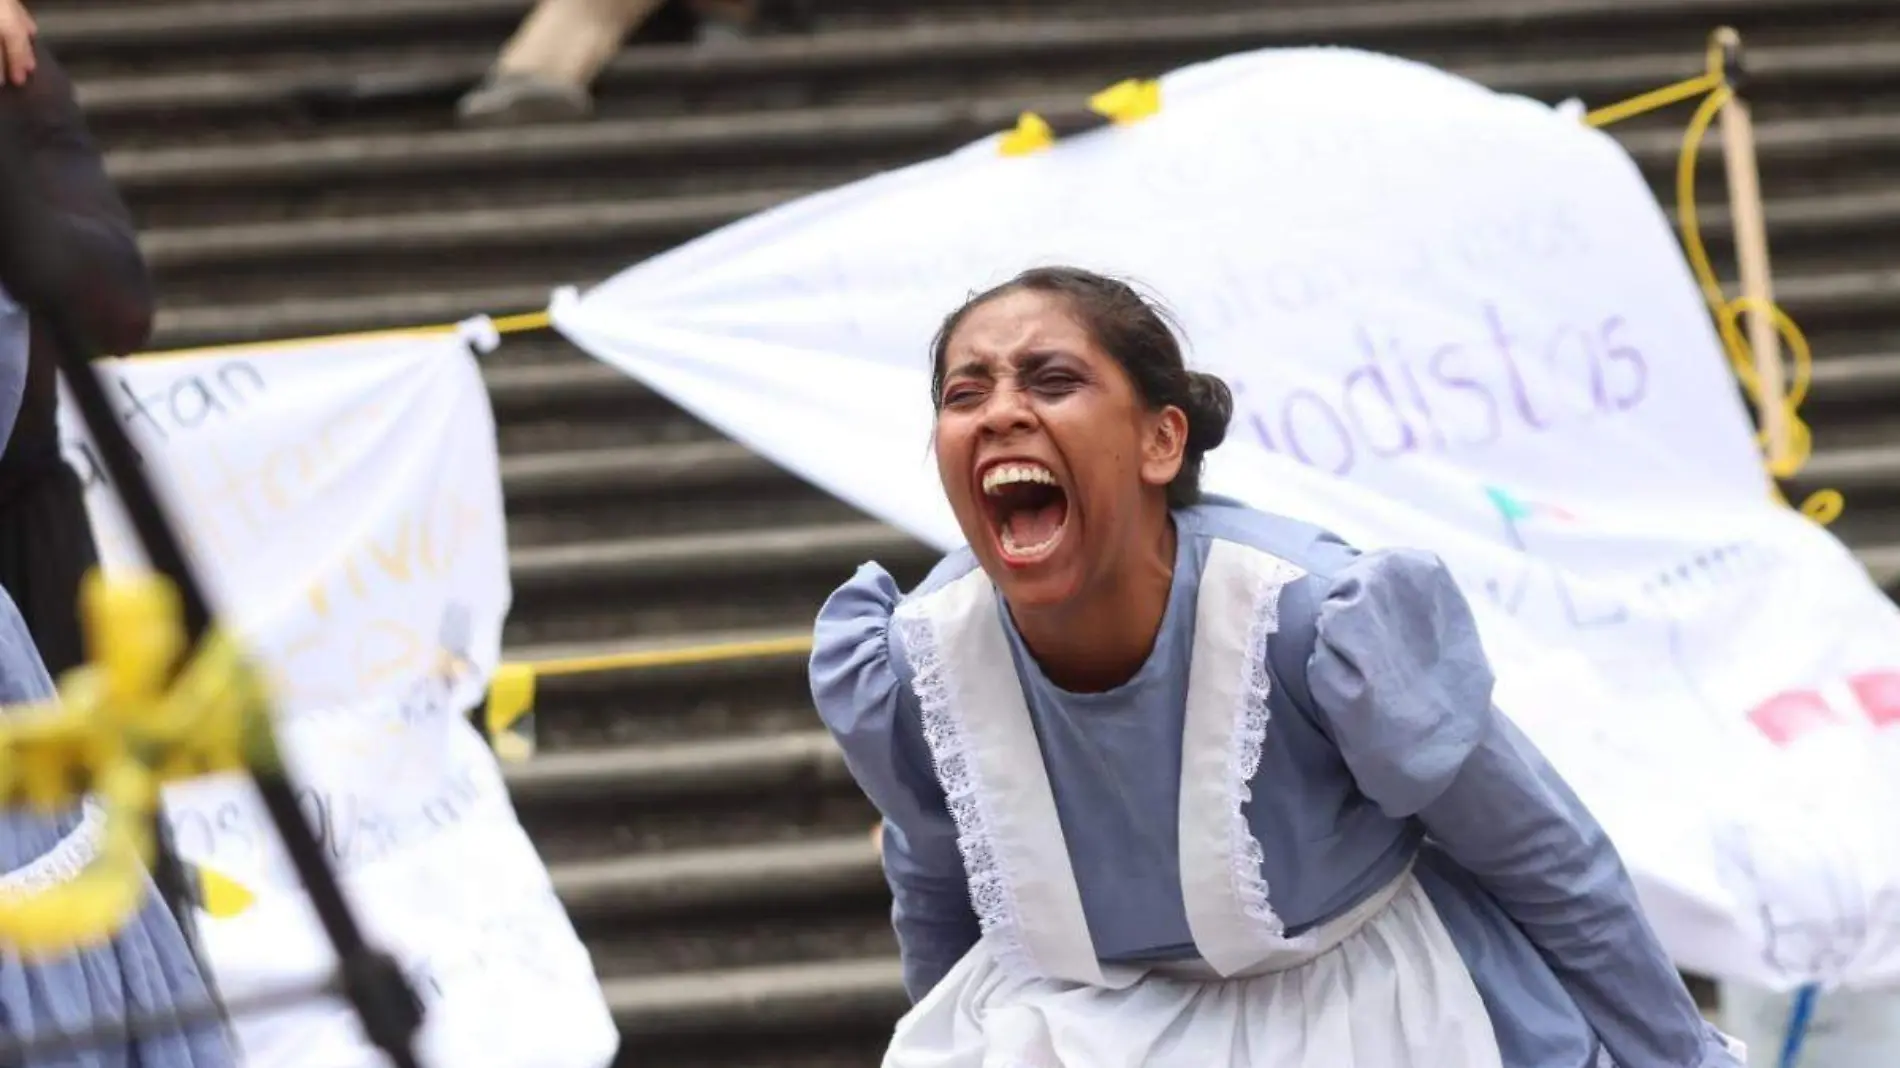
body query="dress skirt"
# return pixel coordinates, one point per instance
(146, 968)
(1392, 994)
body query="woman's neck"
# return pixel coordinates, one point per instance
(1099, 642)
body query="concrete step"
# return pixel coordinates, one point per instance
(646, 801)
(317, 162)
(1882, 562)
(1868, 478)
(1841, 384)
(630, 226)
(843, 1002)
(594, 568)
(437, 169)
(1844, 300)
(732, 576)
(666, 774)
(157, 33)
(1861, 472)
(666, 885)
(214, 27)
(716, 894)
(555, 377)
(372, 89)
(580, 476)
(1806, 232)
(549, 397)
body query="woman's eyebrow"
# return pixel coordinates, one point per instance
(1036, 359)
(970, 369)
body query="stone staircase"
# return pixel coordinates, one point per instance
(294, 171)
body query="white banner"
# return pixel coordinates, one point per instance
(343, 501)
(1452, 319)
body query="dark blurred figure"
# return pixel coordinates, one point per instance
(46, 543)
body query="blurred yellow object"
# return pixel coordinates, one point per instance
(118, 731)
(223, 897)
(1128, 101)
(509, 719)
(510, 696)
(1032, 134)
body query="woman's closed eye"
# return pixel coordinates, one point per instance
(1057, 383)
(963, 395)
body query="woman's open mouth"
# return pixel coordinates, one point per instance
(1027, 508)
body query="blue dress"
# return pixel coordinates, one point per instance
(147, 968)
(1382, 752)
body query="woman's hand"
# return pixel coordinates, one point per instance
(17, 31)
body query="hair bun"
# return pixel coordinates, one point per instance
(1210, 408)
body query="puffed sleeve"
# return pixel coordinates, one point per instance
(868, 709)
(23, 676)
(1401, 683)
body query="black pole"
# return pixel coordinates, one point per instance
(41, 273)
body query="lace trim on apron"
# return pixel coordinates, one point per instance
(992, 893)
(62, 863)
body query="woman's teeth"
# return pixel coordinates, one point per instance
(1010, 474)
(1021, 553)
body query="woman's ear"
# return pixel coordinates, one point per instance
(1164, 445)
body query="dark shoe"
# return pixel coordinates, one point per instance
(513, 99)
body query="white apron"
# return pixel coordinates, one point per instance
(1379, 987)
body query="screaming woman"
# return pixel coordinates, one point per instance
(1169, 781)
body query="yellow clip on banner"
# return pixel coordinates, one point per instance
(1128, 101)
(510, 704)
(1121, 104)
(1032, 134)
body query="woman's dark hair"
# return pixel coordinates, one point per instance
(1140, 336)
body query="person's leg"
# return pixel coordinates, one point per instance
(545, 69)
(569, 41)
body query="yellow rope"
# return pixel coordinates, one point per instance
(1655, 99)
(520, 324)
(504, 324)
(1825, 505)
(710, 653)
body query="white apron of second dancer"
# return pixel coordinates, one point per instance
(1379, 987)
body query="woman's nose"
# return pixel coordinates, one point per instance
(1008, 410)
